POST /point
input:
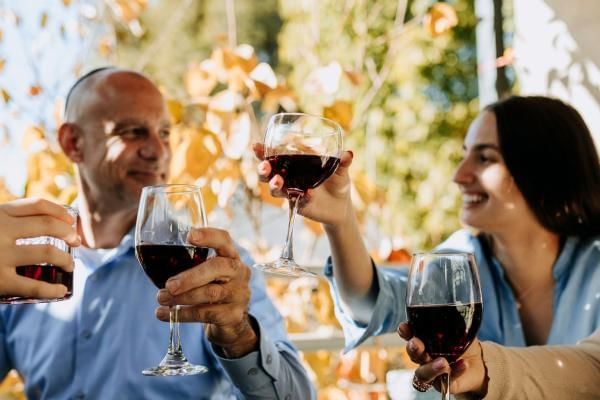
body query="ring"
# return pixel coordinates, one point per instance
(420, 386)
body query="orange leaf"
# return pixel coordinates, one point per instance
(2, 64)
(198, 150)
(341, 112)
(105, 47)
(355, 77)
(281, 96)
(440, 19)
(5, 95)
(264, 78)
(66, 2)
(34, 90)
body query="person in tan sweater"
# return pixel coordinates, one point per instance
(490, 371)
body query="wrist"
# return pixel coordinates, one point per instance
(246, 341)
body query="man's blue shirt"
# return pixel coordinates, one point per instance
(96, 344)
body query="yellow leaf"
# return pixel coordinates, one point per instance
(281, 96)
(34, 90)
(33, 139)
(264, 78)
(176, 110)
(225, 101)
(2, 64)
(200, 79)
(105, 47)
(5, 95)
(44, 20)
(341, 112)
(440, 19)
(198, 150)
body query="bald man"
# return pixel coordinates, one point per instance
(95, 345)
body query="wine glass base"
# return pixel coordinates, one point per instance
(183, 369)
(284, 267)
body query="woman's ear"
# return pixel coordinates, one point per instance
(71, 141)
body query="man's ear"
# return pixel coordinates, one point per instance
(71, 141)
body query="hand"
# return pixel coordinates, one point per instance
(468, 373)
(316, 204)
(216, 293)
(29, 218)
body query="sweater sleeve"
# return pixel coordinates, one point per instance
(544, 372)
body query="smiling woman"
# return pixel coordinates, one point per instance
(537, 226)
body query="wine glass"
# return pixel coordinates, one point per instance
(443, 304)
(166, 215)
(304, 150)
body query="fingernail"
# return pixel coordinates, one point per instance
(439, 364)
(162, 313)
(412, 346)
(163, 296)
(172, 285)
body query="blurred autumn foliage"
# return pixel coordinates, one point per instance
(398, 76)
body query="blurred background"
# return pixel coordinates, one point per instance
(404, 78)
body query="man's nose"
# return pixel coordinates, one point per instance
(155, 148)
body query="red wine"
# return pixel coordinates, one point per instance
(447, 330)
(42, 272)
(164, 261)
(302, 171)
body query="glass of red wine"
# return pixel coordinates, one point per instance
(45, 272)
(443, 304)
(166, 215)
(304, 150)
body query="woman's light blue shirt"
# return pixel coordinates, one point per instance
(576, 296)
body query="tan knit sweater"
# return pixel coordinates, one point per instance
(544, 372)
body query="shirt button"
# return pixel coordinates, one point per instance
(252, 371)
(269, 359)
(86, 334)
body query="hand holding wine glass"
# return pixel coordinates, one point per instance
(468, 373)
(443, 305)
(304, 150)
(217, 294)
(317, 203)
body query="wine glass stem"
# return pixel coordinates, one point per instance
(446, 386)
(174, 334)
(288, 251)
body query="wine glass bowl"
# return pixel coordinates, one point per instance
(166, 216)
(304, 150)
(443, 304)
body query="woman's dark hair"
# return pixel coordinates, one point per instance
(551, 155)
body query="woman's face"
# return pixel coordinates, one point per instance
(491, 201)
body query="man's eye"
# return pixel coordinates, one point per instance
(165, 133)
(132, 132)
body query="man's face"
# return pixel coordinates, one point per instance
(125, 132)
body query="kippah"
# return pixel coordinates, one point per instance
(78, 82)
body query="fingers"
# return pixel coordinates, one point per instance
(41, 253)
(212, 293)
(428, 372)
(416, 351)
(218, 314)
(214, 238)
(26, 287)
(259, 150)
(404, 331)
(35, 206)
(44, 225)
